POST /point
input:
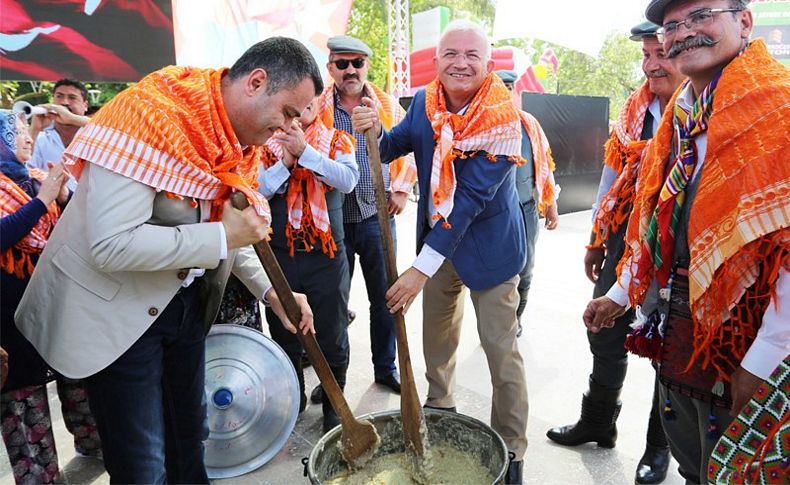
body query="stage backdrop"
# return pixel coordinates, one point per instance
(772, 23)
(123, 40)
(93, 40)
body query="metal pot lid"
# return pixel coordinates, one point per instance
(253, 400)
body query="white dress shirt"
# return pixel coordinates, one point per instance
(49, 148)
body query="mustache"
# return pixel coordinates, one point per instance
(350, 76)
(659, 73)
(696, 41)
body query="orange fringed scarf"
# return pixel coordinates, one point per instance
(738, 232)
(403, 170)
(308, 216)
(170, 131)
(543, 161)
(622, 153)
(18, 260)
(490, 124)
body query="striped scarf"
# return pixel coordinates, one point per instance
(490, 124)
(18, 259)
(403, 170)
(543, 161)
(623, 153)
(308, 217)
(171, 132)
(659, 242)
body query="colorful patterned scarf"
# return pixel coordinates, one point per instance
(543, 161)
(308, 217)
(170, 131)
(622, 153)
(490, 124)
(659, 242)
(403, 171)
(17, 260)
(738, 231)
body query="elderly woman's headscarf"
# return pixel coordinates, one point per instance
(12, 167)
(18, 187)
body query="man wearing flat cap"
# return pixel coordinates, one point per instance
(348, 65)
(623, 155)
(708, 242)
(537, 190)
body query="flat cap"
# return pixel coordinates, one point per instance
(645, 29)
(655, 10)
(507, 76)
(344, 43)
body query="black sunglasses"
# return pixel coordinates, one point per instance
(342, 64)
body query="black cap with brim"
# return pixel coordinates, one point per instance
(507, 76)
(645, 29)
(345, 44)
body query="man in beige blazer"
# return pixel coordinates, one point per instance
(133, 274)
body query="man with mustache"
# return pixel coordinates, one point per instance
(635, 127)
(465, 133)
(348, 65)
(51, 132)
(708, 246)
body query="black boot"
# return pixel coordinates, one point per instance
(600, 408)
(331, 419)
(515, 470)
(653, 465)
(297, 363)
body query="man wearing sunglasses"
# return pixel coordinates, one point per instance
(348, 65)
(708, 244)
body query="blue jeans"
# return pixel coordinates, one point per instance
(364, 238)
(150, 403)
(530, 213)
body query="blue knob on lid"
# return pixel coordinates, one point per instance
(222, 398)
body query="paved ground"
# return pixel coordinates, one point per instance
(557, 359)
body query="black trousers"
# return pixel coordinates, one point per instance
(326, 283)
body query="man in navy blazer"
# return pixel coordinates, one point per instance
(469, 226)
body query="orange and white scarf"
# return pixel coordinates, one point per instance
(171, 132)
(18, 259)
(622, 153)
(542, 160)
(490, 124)
(308, 217)
(739, 227)
(403, 170)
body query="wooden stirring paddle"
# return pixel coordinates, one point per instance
(412, 416)
(360, 440)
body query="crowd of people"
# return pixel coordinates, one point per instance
(120, 247)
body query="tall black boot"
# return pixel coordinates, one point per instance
(297, 363)
(653, 465)
(600, 409)
(331, 419)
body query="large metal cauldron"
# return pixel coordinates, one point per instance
(253, 400)
(444, 428)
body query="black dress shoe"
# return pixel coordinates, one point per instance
(317, 395)
(652, 468)
(452, 409)
(514, 472)
(392, 381)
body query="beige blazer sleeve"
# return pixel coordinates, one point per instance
(248, 269)
(121, 238)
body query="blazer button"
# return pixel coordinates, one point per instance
(153, 311)
(182, 274)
